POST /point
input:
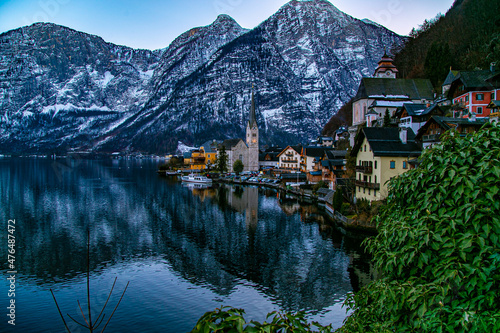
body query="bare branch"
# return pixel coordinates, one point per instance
(58, 309)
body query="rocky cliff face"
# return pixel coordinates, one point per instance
(58, 86)
(63, 89)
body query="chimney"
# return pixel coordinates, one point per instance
(493, 67)
(403, 134)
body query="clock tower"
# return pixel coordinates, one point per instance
(252, 140)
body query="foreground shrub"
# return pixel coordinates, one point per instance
(228, 319)
(438, 246)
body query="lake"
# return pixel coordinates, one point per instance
(184, 251)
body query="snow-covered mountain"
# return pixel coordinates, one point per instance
(61, 89)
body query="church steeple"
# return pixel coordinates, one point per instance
(252, 122)
(252, 141)
(386, 68)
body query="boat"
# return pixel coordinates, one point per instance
(196, 179)
(197, 186)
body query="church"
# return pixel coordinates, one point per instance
(247, 150)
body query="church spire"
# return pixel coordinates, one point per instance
(252, 122)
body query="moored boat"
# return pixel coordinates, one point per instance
(196, 179)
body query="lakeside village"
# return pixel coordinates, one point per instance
(393, 121)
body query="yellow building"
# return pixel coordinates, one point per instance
(381, 154)
(203, 158)
(197, 160)
(210, 152)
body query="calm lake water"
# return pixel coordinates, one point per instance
(184, 251)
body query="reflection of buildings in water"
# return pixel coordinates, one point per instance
(245, 200)
(203, 191)
(290, 207)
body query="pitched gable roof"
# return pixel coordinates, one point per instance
(298, 149)
(447, 123)
(381, 88)
(315, 151)
(385, 141)
(450, 77)
(230, 143)
(414, 109)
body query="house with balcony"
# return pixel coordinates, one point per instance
(381, 154)
(289, 158)
(415, 115)
(311, 157)
(333, 166)
(472, 91)
(430, 133)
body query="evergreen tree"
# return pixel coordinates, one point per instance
(338, 199)
(438, 62)
(222, 160)
(387, 118)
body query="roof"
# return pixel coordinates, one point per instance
(210, 146)
(450, 77)
(315, 151)
(386, 63)
(273, 156)
(493, 105)
(402, 89)
(333, 154)
(385, 141)
(230, 143)
(419, 109)
(298, 149)
(332, 163)
(447, 123)
(475, 79)
(387, 104)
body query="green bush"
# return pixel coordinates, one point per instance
(438, 246)
(228, 319)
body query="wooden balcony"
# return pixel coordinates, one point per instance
(375, 186)
(364, 168)
(430, 137)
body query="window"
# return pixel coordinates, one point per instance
(369, 191)
(467, 98)
(479, 110)
(365, 147)
(393, 165)
(375, 193)
(405, 165)
(375, 164)
(480, 97)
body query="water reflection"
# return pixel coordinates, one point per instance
(221, 238)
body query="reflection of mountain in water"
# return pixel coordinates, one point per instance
(212, 237)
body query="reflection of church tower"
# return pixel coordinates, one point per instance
(386, 68)
(252, 206)
(252, 163)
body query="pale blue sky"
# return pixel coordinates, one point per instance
(153, 24)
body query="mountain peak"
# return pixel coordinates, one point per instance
(225, 18)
